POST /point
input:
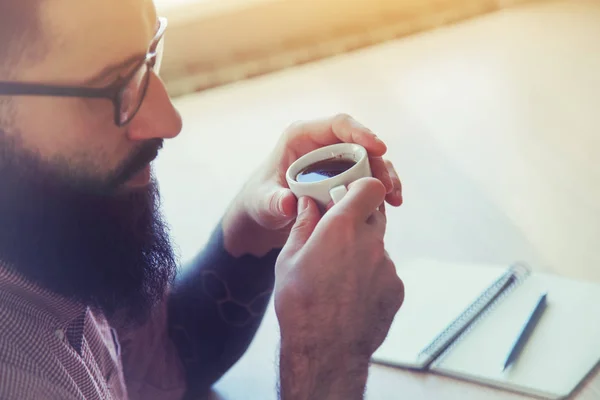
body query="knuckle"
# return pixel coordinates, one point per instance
(384, 219)
(399, 292)
(341, 119)
(389, 259)
(390, 167)
(377, 251)
(392, 298)
(373, 186)
(390, 265)
(368, 184)
(379, 218)
(396, 285)
(295, 127)
(301, 225)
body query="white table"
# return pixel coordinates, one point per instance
(494, 125)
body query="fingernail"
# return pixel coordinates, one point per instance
(302, 205)
(381, 143)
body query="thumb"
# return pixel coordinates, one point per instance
(277, 209)
(306, 222)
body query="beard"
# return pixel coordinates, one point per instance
(83, 238)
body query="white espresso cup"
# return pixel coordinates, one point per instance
(333, 188)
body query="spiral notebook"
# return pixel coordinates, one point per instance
(462, 320)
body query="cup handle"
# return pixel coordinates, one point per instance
(337, 193)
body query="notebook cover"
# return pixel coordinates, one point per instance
(436, 294)
(563, 349)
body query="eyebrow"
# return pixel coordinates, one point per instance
(111, 69)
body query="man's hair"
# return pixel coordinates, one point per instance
(20, 33)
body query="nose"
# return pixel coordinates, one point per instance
(157, 118)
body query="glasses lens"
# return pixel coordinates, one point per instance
(160, 48)
(133, 94)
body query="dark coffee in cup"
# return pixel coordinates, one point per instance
(324, 169)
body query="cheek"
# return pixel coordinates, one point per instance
(80, 131)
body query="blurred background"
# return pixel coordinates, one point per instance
(490, 109)
(213, 42)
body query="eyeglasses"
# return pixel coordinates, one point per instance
(127, 94)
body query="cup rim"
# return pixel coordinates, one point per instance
(363, 154)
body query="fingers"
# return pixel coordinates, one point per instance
(384, 171)
(363, 198)
(306, 222)
(280, 204)
(289, 205)
(276, 209)
(341, 128)
(394, 197)
(381, 172)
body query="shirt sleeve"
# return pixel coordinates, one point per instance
(151, 364)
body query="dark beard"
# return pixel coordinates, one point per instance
(81, 239)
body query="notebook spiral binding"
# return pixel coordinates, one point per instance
(476, 310)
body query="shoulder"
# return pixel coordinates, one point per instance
(24, 372)
(21, 378)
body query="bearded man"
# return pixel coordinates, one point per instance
(92, 303)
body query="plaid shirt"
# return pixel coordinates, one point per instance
(52, 348)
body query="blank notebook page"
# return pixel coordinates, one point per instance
(563, 348)
(435, 295)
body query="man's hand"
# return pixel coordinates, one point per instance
(261, 217)
(336, 294)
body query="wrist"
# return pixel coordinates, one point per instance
(330, 372)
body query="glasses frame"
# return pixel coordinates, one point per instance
(113, 92)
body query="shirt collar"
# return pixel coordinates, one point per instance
(62, 309)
